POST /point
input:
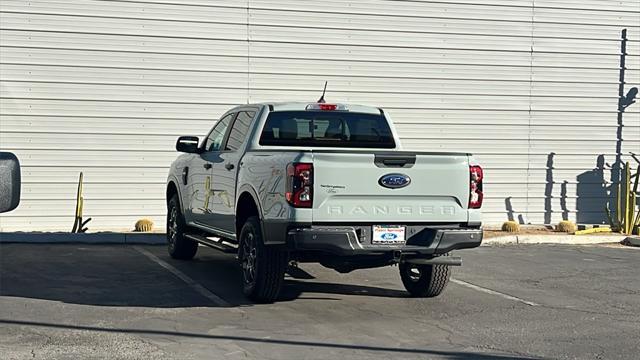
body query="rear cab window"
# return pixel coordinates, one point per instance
(327, 129)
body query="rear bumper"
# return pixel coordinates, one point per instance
(353, 240)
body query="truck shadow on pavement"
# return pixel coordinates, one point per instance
(294, 289)
(119, 275)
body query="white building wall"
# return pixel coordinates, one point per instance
(105, 87)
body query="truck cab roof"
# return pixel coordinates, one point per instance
(301, 106)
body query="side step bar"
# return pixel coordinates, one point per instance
(440, 260)
(218, 244)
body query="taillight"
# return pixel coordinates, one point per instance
(475, 187)
(299, 191)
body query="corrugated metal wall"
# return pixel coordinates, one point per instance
(105, 87)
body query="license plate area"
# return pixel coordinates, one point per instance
(388, 234)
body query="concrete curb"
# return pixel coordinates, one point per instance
(554, 239)
(85, 238)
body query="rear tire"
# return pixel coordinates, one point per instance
(178, 246)
(424, 280)
(263, 267)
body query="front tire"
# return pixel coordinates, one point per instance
(178, 246)
(424, 280)
(263, 267)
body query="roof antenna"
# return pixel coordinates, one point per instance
(321, 100)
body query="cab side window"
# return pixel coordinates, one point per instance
(216, 136)
(239, 130)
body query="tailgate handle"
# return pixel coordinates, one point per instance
(394, 160)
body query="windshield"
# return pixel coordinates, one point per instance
(327, 129)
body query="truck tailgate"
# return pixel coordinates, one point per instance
(347, 188)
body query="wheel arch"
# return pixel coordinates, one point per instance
(247, 205)
(173, 188)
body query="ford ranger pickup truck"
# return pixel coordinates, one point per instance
(285, 183)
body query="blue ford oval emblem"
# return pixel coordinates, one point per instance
(394, 181)
(388, 236)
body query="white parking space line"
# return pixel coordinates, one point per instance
(493, 292)
(182, 276)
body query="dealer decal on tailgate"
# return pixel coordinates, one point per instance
(388, 234)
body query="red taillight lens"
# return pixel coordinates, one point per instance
(329, 107)
(299, 191)
(475, 187)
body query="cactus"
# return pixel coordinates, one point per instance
(511, 226)
(566, 226)
(144, 225)
(627, 221)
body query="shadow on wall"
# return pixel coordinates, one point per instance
(563, 200)
(511, 212)
(593, 194)
(548, 193)
(593, 191)
(548, 189)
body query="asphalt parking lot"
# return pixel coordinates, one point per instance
(121, 301)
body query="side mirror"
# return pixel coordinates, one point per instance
(9, 181)
(188, 144)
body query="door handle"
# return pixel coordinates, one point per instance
(207, 165)
(229, 166)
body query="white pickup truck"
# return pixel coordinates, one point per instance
(282, 183)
